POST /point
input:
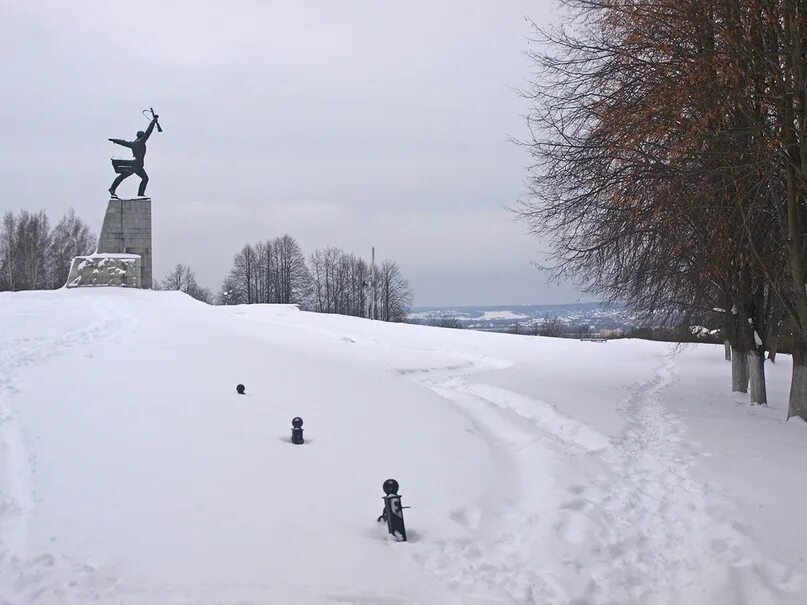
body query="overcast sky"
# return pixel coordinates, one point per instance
(351, 123)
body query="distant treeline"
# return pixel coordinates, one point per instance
(678, 333)
(35, 257)
(328, 281)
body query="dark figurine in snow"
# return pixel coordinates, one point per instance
(126, 168)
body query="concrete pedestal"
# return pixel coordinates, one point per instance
(127, 230)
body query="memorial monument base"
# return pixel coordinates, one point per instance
(125, 234)
(122, 270)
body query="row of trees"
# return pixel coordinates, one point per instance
(344, 283)
(35, 257)
(553, 327)
(329, 281)
(273, 271)
(669, 140)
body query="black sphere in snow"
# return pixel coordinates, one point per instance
(390, 487)
(297, 422)
(240, 389)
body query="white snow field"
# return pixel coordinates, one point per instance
(538, 470)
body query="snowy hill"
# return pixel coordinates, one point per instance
(539, 470)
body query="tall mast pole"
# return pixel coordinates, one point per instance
(373, 309)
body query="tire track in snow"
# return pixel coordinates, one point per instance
(496, 563)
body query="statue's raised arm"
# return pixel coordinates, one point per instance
(150, 128)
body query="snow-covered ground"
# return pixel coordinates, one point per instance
(538, 470)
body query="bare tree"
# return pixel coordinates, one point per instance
(446, 321)
(284, 276)
(71, 237)
(550, 326)
(8, 254)
(34, 257)
(394, 295)
(338, 282)
(272, 271)
(244, 276)
(341, 283)
(325, 289)
(667, 140)
(24, 246)
(183, 278)
(227, 294)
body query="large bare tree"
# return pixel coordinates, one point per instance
(669, 154)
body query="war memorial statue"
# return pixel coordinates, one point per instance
(126, 168)
(122, 257)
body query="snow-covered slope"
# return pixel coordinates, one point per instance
(539, 470)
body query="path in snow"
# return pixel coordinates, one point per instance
(495, 563)
(16, 465)
(656, 538)
(31, 577)
(648, 513)
(638, 531)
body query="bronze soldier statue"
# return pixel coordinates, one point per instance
(126, 168)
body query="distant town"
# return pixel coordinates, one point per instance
(575, 320)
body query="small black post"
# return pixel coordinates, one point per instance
(240, 389)
(297, 431)
(393, 511)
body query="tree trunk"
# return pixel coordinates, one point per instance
(774, 328)
(739, 371)
(727, 349)
(756, 371)
(798, 381)
(773, 347)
